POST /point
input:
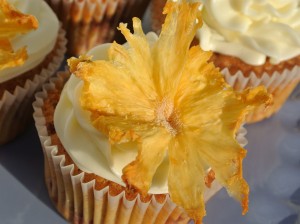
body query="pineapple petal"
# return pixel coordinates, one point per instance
(169, 52)
(9, 58)
(201, 95)
(119, 129)
(186, 178)
(224, 155)
(238, 105)
(12, 23)
(152, 150)
(190, 154)
(135, 57)
(256, 96)
(109, 89)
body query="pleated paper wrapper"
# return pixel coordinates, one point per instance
(16, 107)
(79, 201)
(92, 22)
(280, 85)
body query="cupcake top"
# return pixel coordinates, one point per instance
(252, 30)
(38, 43)
(163, 103)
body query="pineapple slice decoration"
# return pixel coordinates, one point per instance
(170, 101)
(12, 23)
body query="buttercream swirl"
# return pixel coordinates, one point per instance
(39, 42)
(252, 30)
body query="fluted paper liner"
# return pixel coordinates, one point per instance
(92, 22)
(280, 85)
(15, 108)
(85, 11)
(81, 202)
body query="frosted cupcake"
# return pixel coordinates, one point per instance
(135, 140)
(92, 22)
(254, 43)
(31, 50)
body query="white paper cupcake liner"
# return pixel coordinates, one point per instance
(280, 85)
(80, 201)
(15, 108)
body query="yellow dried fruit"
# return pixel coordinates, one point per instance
(12, 23)
(173, 103)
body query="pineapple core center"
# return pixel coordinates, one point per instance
(167, 116)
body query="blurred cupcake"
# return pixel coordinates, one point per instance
(131, 139)
(31, 50)
(92, 22)
(254, 43)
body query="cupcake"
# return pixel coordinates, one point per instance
(31, 50)
(131, 139)
(92, 22)
(253, 43)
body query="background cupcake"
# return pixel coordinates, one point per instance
(92, 22)
(45, 48)
(254, 43)
(126, 130)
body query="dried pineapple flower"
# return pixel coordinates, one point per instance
(173, 103)
(12, 23)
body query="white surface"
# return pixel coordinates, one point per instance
(23, 195)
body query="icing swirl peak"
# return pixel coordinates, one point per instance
(252, 30)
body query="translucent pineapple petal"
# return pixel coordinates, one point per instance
(186, 180)
(224, 155)
(238, 105)
(169, 52)
(119, 129)
(190, 154)
(136, 58)
(256, 96)
(12, 23)
(110, 89)
(152, 151)
(5, 45)
(11, 59)
(202, 91)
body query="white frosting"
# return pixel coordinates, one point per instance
(252, 29)
(39, 42)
